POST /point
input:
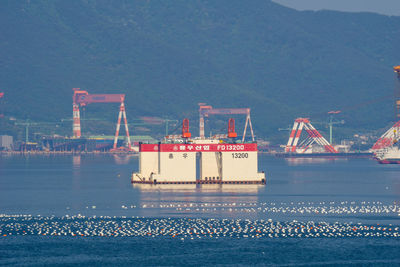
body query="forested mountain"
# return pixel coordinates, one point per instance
(167, 56)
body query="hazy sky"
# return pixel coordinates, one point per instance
(387, 7)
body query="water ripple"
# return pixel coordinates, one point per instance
(11, 225)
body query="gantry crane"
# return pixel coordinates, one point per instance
(392, 135)
(82, 98)
(205, 111)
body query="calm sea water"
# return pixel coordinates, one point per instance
(66, 195)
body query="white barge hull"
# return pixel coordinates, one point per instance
(216, 164)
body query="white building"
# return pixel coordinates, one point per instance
(6, 142)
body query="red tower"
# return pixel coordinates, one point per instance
(231, 128)
(185, 129)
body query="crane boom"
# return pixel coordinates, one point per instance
(225, 111)
(100, 98)
(83, 98)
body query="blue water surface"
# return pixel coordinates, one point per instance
(344, 212)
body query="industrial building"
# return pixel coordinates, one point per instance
(6, 142)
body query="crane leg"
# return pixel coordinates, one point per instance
(126, 128)
(118, 126)
(201, 127)
(251, 129)
(245, 128)
(76, 121)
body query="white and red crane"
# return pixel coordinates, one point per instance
(388, 138)
(82, 98)
(313, 136)
(392, 135)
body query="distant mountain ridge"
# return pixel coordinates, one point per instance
(167, 56)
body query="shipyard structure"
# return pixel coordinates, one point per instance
(182, 160)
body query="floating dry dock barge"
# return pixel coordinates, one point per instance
(182, 160)
(218, 163)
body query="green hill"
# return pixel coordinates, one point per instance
(167, 56)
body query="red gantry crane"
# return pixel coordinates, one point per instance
(82, 98)
(205, 111)
(392, 135)
(313, 137)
